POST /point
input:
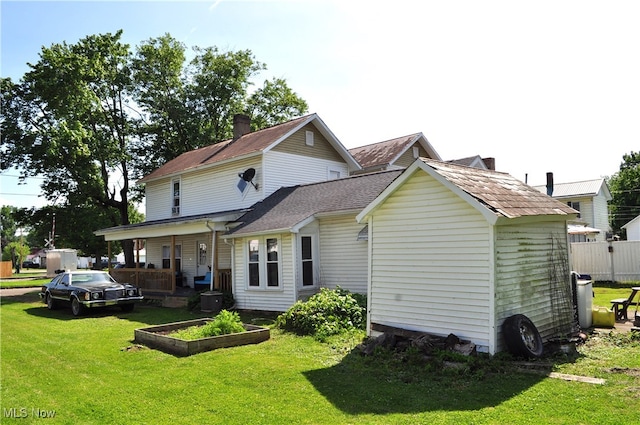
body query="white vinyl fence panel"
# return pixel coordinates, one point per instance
(613, 261)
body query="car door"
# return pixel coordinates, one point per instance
(61, 288)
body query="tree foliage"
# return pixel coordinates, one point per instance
(8, 225)
(625, 192)
(94, 116)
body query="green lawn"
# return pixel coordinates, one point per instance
(88, 371)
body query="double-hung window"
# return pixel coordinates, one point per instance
(306, 251)
(263, 263)
(175, 197)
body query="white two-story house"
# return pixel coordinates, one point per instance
(589, 197)
(194, 201)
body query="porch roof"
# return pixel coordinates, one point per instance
(290, 208)
(172, 226)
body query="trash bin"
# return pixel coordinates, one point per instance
(211, 302)
(584, 292)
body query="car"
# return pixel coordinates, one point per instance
(87, 289)
(30, 265)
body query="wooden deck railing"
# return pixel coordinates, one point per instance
(147, 279)
(159, 280)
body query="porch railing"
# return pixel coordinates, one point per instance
(223, 281)
(147, 279)
(159, 280)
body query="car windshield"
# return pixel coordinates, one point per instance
(80, 278)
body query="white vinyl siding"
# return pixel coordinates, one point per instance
(430, 263)
(189, 253)
(157, 200)
(273, 299)
(284, 169)
(601, 216)
(530, 265)
(343, 257)
(204, 191)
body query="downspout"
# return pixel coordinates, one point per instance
(214, 265)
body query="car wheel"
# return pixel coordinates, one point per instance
(51, 303)
(127, 307)
(76, 307)
(522, 337)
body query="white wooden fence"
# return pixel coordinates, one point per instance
(614, 261)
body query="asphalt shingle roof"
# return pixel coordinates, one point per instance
(228, 149)
(382, 153)
(500, 192)
(289, 206)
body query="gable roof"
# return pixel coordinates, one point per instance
(470, 161)
(290, 208)
(248, 145)
(586, 188)
(631, 222)
(386, 153)
(492, 193)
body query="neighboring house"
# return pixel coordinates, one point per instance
(633, 229)
(302, 238)
(476, 161)
(591, 199)
(394, 154)
(454, 249)
(190, 200)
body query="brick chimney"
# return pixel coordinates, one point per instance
(241, 125)
(490, 163)
(550, 184)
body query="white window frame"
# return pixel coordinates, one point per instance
(175, 209)
(331, 171)
(314, 260)
(166, 250)
(263, 262)
(308, 138)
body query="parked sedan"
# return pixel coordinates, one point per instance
(89, 289)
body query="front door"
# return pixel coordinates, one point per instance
(202, 264)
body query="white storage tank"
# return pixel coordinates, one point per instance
(584, 290)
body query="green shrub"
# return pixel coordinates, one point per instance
(329, 312)
(226, 322)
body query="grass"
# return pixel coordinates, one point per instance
(89, 371)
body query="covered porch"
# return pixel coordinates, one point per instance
(179, 251)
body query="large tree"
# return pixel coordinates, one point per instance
(191, 104)
(69, 121)
(91, 117)
(625, 192)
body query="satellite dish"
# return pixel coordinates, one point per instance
(248, 176)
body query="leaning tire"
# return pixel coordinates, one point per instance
(76, 307)
(522, 337)
(51, 303)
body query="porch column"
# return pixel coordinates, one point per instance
(109, 256)
(214, 261)
(172, 263)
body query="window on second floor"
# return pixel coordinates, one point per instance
(175, 197)
(575, 206)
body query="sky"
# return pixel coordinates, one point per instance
(541, 86)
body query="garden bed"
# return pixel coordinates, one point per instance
(158, 337)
